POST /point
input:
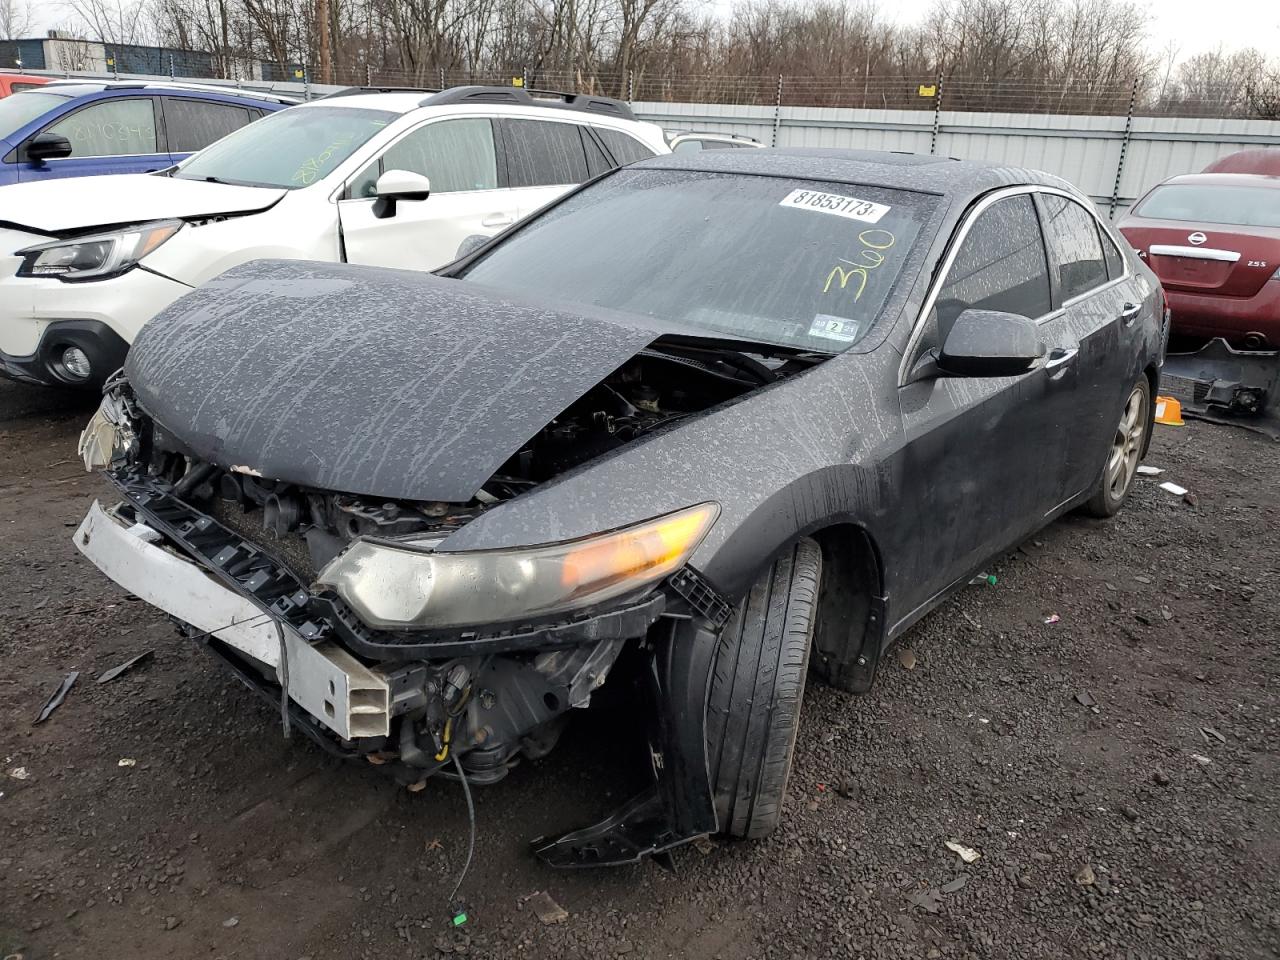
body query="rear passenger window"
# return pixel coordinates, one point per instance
(1000, 265)
(597, 162)
(110, 128)
(194, 124)
(625, 149)
(541, 153)
(1115, 261)
(1074, 248)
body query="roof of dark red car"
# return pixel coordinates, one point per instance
(1226, 179)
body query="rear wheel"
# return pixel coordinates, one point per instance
(1124, 453)
(753, 710)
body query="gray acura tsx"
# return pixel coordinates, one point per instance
(744, 416)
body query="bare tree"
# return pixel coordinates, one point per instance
(115, 22)
(15, 19)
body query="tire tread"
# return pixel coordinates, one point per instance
(758, 683)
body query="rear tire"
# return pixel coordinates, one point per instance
(1124, 453)
(753, 710)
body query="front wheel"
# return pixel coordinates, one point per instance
(753, 710)
(1124, 453)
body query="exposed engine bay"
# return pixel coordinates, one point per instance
(307, 528)
(415, 713)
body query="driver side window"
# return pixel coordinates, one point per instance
(455, 155)
(111, 128)
(1001, 265)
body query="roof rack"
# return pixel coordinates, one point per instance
(358, 91)
(526, 97)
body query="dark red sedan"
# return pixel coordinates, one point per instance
(1213, 239)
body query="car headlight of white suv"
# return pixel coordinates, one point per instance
(97, 256)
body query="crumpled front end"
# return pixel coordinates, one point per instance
(342, 610)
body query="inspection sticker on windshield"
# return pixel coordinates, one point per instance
(834, 328)
(841, 206)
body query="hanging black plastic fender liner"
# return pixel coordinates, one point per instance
(679, 806)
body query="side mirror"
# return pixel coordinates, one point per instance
(470, 245)
(990, 343)
(47, 146)
(396, 185)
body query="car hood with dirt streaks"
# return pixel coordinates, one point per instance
(387, 383)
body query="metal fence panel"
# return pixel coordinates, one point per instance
(1086, 150)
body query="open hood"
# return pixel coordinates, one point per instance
(386, 383)
(69, 204)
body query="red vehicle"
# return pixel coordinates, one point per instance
(1264, 160)
(1213, 239)
(14, 82)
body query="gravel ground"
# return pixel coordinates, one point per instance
(1115, 769)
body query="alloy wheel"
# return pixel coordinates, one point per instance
(1126, 448)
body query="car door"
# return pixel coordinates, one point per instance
(459, 157)
(544, 159)
(191, 124)
(982, 459)
(1100, 305)
(107, 136)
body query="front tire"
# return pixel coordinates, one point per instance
(1124, 453)
(753, 710)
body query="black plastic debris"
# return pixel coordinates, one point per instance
(129, 664)
(59, 695)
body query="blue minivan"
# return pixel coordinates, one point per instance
(78, 129)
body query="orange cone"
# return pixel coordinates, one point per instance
(1169, 411)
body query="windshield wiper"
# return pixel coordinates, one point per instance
(739, 356)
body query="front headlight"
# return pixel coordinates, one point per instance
(408, 587)
(98, 256)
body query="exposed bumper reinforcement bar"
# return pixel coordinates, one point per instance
(326, 681)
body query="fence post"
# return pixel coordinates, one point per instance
(171, 74)
(937, 117)
(631, 85)
(306, 82)
(368, 74)
(441, 69)
(777, 112)
(1124, 149)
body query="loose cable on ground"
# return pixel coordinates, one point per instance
(471, 843)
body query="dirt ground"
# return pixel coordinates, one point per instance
(1116, 769)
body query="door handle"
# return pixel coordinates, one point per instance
(1060, 357)
(498, 220)
(1129, 313)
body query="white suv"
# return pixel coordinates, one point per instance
(84, 263)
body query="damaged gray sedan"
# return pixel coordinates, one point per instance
(752, 413)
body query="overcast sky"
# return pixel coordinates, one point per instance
(1192, 26)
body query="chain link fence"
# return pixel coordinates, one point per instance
(1098, 96)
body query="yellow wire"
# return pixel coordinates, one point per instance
(448, 728)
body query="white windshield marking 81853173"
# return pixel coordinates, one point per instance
(836, 204)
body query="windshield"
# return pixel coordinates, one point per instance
(1214, 203)
(18, 110)
(291, 148)
(792, 263)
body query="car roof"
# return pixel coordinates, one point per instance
(394, 102)
(79, 88)
(538, 102)
(878, 168)
(1227, 179)
(709, 135)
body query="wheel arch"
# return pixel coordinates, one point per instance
(1152, 373)
(850, 629)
